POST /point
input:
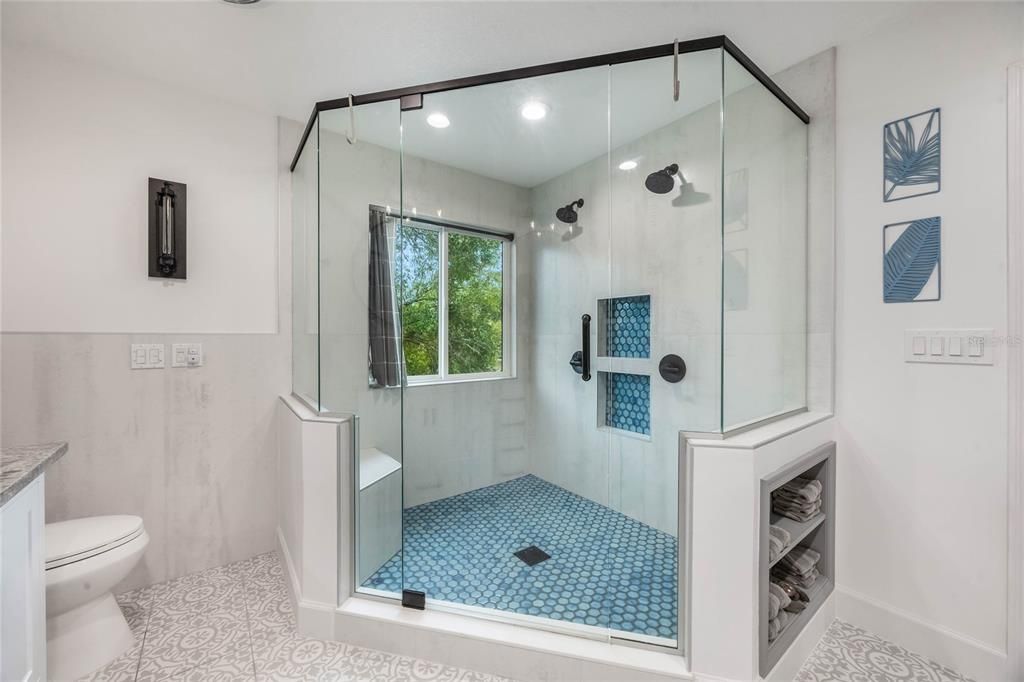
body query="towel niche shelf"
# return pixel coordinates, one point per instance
(817, 533)
(797, 530)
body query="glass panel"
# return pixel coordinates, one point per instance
(305, 313)
(666, 250)
(360, 332)
(764, 236)
(420, 284)
(475, 302)
(506, 486)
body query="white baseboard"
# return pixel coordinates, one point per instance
(968, 656)
(294, 586)
(312, 618)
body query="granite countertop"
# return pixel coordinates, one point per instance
(22, 464)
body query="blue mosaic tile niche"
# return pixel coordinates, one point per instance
(627, 327)
(627, 402)
(606, 569)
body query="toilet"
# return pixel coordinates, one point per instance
(85, 559)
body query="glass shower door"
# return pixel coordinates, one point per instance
(360, 364)
(504, 253)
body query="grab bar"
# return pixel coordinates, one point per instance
(586, 347)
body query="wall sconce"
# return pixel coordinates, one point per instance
(167, 229)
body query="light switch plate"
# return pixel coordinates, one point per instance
(187, 355)
(147, 356)
(948, 346)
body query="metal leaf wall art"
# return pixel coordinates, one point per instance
(912, 156)
(912, 254)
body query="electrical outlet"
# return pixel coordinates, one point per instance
(187, 355)
(147, 356)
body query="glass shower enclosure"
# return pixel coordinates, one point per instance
(525, 286)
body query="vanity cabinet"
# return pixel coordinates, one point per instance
(23, 586)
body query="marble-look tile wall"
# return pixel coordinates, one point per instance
(812, 83)
(672, 252)
(191, 451)
(457, 437)
(630, 242)
(764, 237)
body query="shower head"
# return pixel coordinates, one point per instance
(567, 214)
(662, 182)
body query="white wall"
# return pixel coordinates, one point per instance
(191, 451)
(80, 144)
(922, 448)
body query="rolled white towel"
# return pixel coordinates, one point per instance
(779, 594)
(778, 539)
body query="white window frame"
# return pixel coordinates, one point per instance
(508, 309)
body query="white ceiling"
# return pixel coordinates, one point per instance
(281, 56)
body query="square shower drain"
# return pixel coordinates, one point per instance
(532, 555)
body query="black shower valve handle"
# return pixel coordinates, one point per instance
(672, 368)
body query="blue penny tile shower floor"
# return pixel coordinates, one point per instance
(606, 569)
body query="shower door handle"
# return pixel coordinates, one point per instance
(586, 347)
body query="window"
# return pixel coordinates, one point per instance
(456, 299)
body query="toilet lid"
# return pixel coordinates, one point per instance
(68, 541)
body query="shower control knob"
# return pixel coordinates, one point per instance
(576, 362)
(672, 369)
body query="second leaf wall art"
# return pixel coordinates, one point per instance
(912, 261)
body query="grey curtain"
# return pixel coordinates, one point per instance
(385, 334)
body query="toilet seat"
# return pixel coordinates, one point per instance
(68, 542)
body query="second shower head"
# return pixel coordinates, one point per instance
(662, 181)
(568, 214)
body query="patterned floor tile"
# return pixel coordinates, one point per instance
(178, 642)
(235, 624)
(137, 606)
(216, 589)
(233, 667)
(606, 569)
(848, 654)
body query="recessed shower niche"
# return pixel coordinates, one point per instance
(465, 263)
(624, 327)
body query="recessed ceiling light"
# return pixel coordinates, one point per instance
(242, 2)
(438, 120)
(627, 165)
(534, 111)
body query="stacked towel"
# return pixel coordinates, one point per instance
(778, 624)
(779, 608)
(799, 499)
(778, 541)
(799, 567)
(785, 601)
(778, 596)
(797, 598)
